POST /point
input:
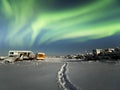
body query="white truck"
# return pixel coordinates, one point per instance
(21, 55)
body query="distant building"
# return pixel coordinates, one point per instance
(109, 50)
(97, 51)
(117, 49)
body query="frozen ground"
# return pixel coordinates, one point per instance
(59, 74)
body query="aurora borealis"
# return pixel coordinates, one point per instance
(59, 26)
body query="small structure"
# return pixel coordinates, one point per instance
(40, 56)
(97, 51)
(109, 50)
(2, 57)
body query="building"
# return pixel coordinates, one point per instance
(97, 51)
(109, 50)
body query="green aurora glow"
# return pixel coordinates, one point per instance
(81, 23)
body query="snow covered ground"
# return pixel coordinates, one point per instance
(59, 74)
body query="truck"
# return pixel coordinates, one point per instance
(40, 56)
(21, 55)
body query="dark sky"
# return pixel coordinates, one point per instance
(59, 27)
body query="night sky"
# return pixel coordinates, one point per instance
(59, 27)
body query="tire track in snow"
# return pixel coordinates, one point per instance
(63, 79)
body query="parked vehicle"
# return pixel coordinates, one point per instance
(21, 55)
(40, 56)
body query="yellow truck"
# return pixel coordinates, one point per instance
(40, 56)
